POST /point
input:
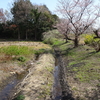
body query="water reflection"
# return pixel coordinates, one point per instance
(6, 92)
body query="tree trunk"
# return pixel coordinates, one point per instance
(35, 33)
(66, 38)
(35, 36)
(26, 35)
(18, 35)
(76, 42)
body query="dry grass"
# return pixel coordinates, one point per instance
(38, 83)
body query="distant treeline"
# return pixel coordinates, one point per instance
(29, 21)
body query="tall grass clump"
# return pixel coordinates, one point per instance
(16, 50)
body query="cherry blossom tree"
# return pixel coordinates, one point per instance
(79, 15)
(63, 27)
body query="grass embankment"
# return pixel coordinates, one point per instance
(83, 68)
(83, 61)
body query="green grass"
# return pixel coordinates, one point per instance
(87, 72)
(20, 97)
(19, 53)
(53, 41)
(22, 53)
(84, 62)
(16, 50)
(41, 51)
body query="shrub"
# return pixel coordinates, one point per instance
(52, 34)
(22, 59)
(94, 42)
(89, 39)
(52, 37)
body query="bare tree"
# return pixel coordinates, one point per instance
(81, 14)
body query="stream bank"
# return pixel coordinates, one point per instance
(38, 83)
(11, 72)
(15, 76)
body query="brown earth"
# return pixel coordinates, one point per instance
(37, 85)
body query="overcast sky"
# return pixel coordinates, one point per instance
(51, 4)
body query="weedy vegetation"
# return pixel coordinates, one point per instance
(16, 50)
(20, 53)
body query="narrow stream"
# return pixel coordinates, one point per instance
(57, 91)
(5, 94)
(9, 89)
(61, 89)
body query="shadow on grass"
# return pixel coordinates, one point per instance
(57, 46)
(67, 52)
(84, 54)
(90, 54)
